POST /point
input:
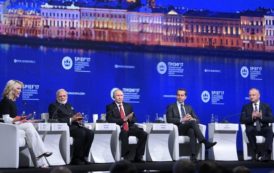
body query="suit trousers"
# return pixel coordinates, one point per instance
(192, 130)
(266, 131)
(142, 138)
(34, 142)
(82, 140)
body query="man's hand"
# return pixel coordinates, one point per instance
(129, 117)
(188, 117)
(256, 114)
(77, 117)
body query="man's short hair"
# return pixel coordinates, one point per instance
(61, 169)
(123, 166)
(241, 169)
(182, 89)
(185, 166)
(115, 92)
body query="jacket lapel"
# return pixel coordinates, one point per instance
(176, 110)
(116, 110)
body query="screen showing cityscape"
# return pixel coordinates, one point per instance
(237, 25)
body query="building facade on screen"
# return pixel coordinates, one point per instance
(137, 22)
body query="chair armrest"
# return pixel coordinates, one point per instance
(9, 133)
(202, 128)
(115, 146)
(9, 145)
(244, 137)
(143, 126)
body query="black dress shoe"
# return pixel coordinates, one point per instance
(85, 161)
(46, 154)
(265, 157)
(254, 157)
(126, 157)
(209, 144)
(193, 158)
(77, 162)
(139, 160)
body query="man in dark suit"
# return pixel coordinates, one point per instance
(257, 117)
(122, 114)
(82, 136)
(185, 118)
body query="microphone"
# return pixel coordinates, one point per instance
(224, 119)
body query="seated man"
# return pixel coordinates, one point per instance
(122, 114)
(257, 116)
(82, 137)
(184, 117)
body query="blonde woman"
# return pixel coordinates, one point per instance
(34, 142)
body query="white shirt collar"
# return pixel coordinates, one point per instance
(179, 104)
(257, 103)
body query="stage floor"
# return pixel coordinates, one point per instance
(256, 167)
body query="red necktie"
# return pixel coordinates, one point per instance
(122, 114)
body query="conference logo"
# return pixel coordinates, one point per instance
(131, 95)
(244, 72)
(67, 63)
(161, 67)
(31, 92)
(205, 96)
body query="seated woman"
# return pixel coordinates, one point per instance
(8, 107)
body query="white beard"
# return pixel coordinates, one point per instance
(63, 102)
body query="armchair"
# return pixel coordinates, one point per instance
(12, 147)
(259, 139)
(181, 145)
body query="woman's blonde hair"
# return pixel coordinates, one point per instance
(8, 90)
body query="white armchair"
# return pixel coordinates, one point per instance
(259, 140)
(182, 142)
(132, 140)
(105, 143)
(13, 147)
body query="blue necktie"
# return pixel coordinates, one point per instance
(183, 110)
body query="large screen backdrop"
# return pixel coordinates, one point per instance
(216, 85)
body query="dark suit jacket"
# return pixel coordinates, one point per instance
(173, 114)
(113, 114)
(246, 115)
(62, 112)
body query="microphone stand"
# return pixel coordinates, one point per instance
(53, 117)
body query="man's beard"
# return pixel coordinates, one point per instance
(63, 102)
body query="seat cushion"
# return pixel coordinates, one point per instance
(260, 139)
(183, 139)
(132, 140)
(71, 140)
